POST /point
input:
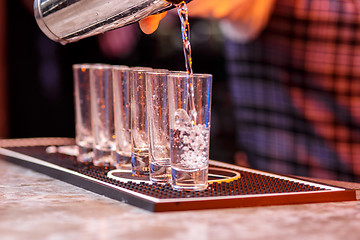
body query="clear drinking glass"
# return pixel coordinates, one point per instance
(102, 114)
(189, 117)
(121, 87)
(139, 123)
(83, 130)
(158, 120)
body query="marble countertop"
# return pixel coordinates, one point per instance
(35, 206)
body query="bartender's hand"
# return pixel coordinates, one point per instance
(200, 8)
(251, 13)
(150, 24)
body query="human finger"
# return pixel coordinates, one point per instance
(149, 24)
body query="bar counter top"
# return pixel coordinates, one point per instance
(35, 206)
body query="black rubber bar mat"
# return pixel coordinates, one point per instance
(229, 185)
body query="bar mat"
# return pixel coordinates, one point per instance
(229, 185)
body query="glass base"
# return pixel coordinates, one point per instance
(122, 162)
(189, 179)
(103, 158)
(140, 165)
(189, 188)
(86, 154)
(160, 173)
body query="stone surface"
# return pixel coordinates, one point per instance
(35, 206)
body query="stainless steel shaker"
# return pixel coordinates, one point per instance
(68, 21)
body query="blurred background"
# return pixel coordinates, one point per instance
(36, 83)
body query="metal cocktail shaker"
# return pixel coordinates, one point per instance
(68, 21)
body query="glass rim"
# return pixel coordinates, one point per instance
(82, 65)
(120, 67)
(157, 73)
(140, 69)
(185, 74)
(100, 66)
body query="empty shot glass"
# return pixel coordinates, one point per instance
(121, 88)
(158, 120)
(83, 130)
(189, 117)
(139, 123)
(102, 114)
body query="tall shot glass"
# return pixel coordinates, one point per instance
(102, 114)
(121, 88)
(139, 123)
(189, 130)
(158, 120)
(83, 130)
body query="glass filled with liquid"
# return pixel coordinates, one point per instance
(189, 130)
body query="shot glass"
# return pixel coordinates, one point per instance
(189, 118)
(83, 130)
(121, 88)
(139, 123)
(102, 114)
(158, 120)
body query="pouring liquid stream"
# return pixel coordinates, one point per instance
(189, 138)
(185, 31)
